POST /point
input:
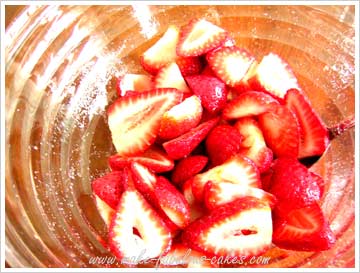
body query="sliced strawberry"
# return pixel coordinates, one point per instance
(230, 64)
(266, 179)
(183, 145)
(211, 90)
(189, 65)
(198, 37)
(223, 142)
(106, 212)
(144, 181)
(134, 121)
(109, 187)
(172, 202)
(207, 71)
(273, 75)
(187, 168)
(244, 85)
(153, 158)
(293, 183)
(253, 144)
(181, 118)
(179, 254)
(170, 76)
(314, 136)
(162, 52)
(303, 229)
(319, 181)
(281, 131)
(237, 170)
(250, 103)
(241, 228)
(134, 82)
(134, 212)
(220, 193)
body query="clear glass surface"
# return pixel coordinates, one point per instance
(60, 68)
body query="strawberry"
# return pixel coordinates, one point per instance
(253, 144)
(181, 118)
(197, 210)
(187, 168)
(179, 254)
(189, 65)
(162, 52)
(314, 136)
(106, 212)
(153, 158)
(170, 76)
(198, 37)
(230, 64)
(220, 193)
(109, 187)
(183, 145)
(250, 103)
(241, 228)
(281, 131)
(211, 91)
(303, 229)
(134, 212)
(134, 82)
(172, 202)
(207, 71)
(223, 142)
(293, 183)
(273, 75)
(237, 170)
(134, 121)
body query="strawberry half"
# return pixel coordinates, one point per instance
(172, 202)
(134, 82)
(187, 168)
(303, 229)
(153, 238)
(183, 145)
(220, 193)
(109, 187)
(153, 158)
(241, 228)
(273, 75)
(223, 142)
(237, 170)
(250, 103)
(198, 37)
(230, 64)
(314, 136)
(253, 144)
(134, 121)
(181, 118)
(162, 52)
(170, 76)
(281, 131)
(294, 184)
(211, 91)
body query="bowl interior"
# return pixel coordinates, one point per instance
(61, 64)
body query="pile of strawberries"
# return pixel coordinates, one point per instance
(208, 148)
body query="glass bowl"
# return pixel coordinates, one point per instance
(61, 63)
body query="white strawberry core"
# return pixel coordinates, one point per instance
(135, 82)
(236, 67)
(190, 107)
(147, 177)
(171, 77)
(202, 33)
(226, 192)
(227, 237)
(275, 75)
(133, 214)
